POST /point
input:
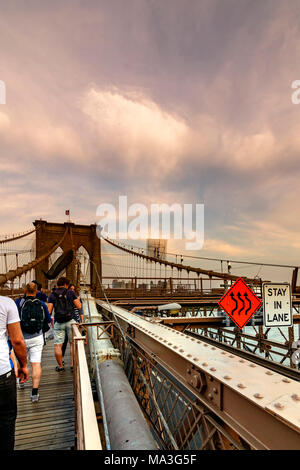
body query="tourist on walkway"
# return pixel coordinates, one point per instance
(10, 323)
(78, 313)
(63, 301)
(41, 295)
(34, 316)
(78, 317)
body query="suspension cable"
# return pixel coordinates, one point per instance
(18, 236)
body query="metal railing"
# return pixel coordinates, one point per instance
(257, 341)
(177, 418)
(86, 425)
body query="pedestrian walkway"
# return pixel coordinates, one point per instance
(48, 424)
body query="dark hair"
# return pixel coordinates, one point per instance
(39, 286)
(62, 281)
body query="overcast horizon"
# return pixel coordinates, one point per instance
(163, 101)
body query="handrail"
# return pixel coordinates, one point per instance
(87, 431)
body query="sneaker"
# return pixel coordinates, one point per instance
(35, 398)
(59, 369)
(21, 385)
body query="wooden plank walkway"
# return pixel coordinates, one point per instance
(49, 423)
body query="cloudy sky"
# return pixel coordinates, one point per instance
(161, 100)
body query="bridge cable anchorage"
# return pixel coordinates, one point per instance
(17, 236)
(10, 275)
(181, 266)
(128, 344)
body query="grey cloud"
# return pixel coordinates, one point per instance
(228, 63)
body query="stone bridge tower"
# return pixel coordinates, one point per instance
(48, 234)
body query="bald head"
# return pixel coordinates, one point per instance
(31, 289)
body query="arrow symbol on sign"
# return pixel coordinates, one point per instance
(240, 297)
(235, 301)
(248, 300)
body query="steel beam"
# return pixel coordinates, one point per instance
(261, 406)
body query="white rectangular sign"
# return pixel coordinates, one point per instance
(277, 304)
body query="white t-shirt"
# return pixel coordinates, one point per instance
(8, 314)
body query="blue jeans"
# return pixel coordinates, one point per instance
(8, 410)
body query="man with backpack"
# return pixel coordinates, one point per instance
(34, 318)
(63, 300)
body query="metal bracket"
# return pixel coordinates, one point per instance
(213, 391)
(205, 384)
(196, 378)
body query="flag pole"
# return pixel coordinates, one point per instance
(67, 212)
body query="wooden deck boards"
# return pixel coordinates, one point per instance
(49, 423)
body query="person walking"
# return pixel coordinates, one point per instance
(35, 317)
(63, 301)
(78, 313)
(10, 326)
(78, 317)
(41, 295)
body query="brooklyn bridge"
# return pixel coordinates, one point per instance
(157, 363)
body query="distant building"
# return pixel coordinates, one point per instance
(157, 248)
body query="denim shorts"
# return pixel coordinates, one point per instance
(61, 330)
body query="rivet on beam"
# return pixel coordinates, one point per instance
(279, 406)
(296, 397)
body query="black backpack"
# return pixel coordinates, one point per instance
(63, 308)
(32, 315)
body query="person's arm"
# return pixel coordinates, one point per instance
(14, 361)
(50, 307)
(46, 310)
(77, 303)
(76, 300)
(50, 303)
(19, 347)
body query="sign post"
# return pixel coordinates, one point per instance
(277, 305)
